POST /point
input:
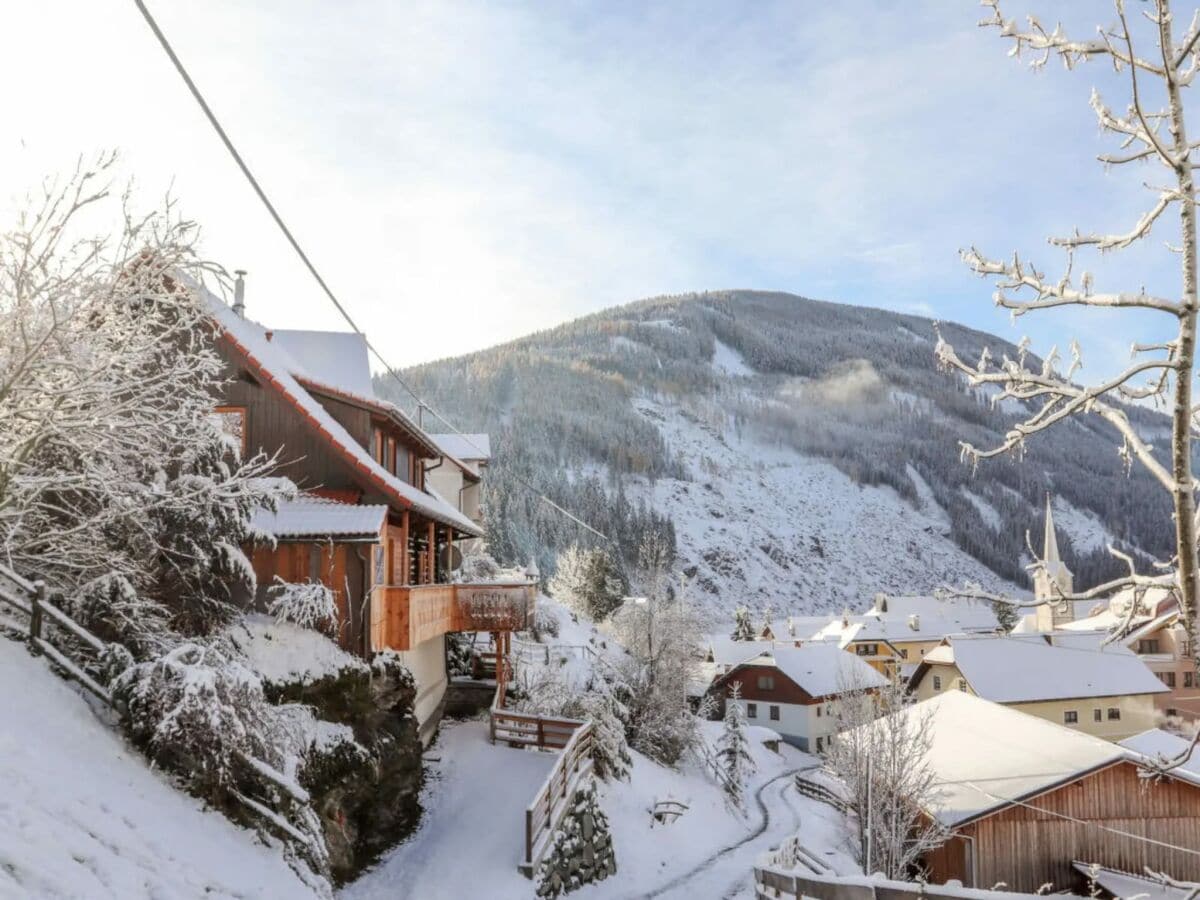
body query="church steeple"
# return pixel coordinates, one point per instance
(1052, 579)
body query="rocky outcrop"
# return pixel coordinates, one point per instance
(364, 767)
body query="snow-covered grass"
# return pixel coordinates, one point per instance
(83, 816)
(282, 652)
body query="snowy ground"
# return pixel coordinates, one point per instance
(471, 836)
(766, 526)
(82, 816)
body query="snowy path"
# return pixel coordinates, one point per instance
(470, 838)
(731, 865)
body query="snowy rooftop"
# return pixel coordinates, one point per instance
(983, 754)
(1156, 742)
(336, 358)
(965, 613)
(252, 340)
(726, 651)
(849, 629)
(309, 516)
(467, 447)
(822, 670)
(1017, 670)
(1125, 884)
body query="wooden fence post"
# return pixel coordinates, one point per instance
(35, 615)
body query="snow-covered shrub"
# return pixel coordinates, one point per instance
(581, 849)
(478, 567)
(733, 748)
(544, 624)
(588, 581)
(199, 710)
(458, 656)
(308, 604)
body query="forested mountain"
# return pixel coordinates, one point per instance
(802, 454)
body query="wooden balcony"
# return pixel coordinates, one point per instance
(403, 617)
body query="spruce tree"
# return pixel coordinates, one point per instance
(733, 748)
(743, 630)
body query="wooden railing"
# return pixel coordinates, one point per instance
(404, 616)
(553, 799)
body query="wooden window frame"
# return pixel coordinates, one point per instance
(773, 712)
(751, 710)
(239, 411)
(1070, 717)
(1113, 714)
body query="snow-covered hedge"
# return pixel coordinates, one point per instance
(309, 604)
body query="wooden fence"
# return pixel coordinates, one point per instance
(572, 767)
(819, 792)
(29, 598)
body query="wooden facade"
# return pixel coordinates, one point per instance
(373, 581)
(1083, 820)
(403, 617)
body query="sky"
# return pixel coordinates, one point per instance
(464, 173)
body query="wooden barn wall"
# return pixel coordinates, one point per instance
(334, 565)
(784, 691)
(354, 419)
(1027, 848)
(273, 424)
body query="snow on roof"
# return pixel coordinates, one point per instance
(251, 339)
(983, 755)
(728, 652)
(887, 628)
(966, 613)
(1157, 743)
(336, 358)
(310, 516)
(822, 670)
(1127, 884)
(1017, 670)
(797, 628)
(468, 447)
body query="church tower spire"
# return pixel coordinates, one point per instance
(1052, 579)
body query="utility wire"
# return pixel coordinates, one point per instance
(287, 233)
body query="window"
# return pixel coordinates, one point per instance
(962, 685)
(1189, 679)
(818, 710)
(1148, 645)
(751, 710)
(766, 682)
(1097, 716)
(1114, 714)
(867, 649)
(937, 682)
(904, 653)
(1168, 678)
(774, 713)
(820, 744)
(1070, 717)
(1171, 712)
(230, 421)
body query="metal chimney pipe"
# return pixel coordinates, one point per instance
(239, 293)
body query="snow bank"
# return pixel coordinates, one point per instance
(81, 814)
(283, 653)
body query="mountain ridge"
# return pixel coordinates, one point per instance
(613, 414)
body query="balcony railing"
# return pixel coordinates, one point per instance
(405, 616)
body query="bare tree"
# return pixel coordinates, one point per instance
(1152, 130)
(879, 753)
(111, 466)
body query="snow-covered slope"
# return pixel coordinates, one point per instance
(82, 816)
(766, 527)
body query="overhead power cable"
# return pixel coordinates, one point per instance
(291, 238)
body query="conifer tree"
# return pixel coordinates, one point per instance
(733, 749)
(743, 630)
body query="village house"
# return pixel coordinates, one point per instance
(962, 615)
(797, 691)
(457, 477)
(1105, 692)
(1024, 800)
(891, 646)
(366, 523)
